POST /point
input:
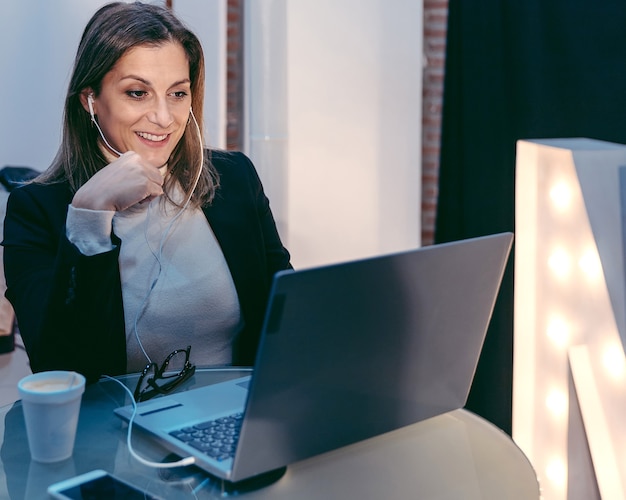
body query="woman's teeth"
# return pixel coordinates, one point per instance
(151, 137)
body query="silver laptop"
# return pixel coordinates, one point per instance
(348, 351)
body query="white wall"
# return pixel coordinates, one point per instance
(38, 41)
(334, 115)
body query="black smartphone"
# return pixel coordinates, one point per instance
(96, 485)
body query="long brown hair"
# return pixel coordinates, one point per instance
(113, 30)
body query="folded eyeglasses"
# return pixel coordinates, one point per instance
(155, 379)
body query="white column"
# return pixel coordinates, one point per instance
(265, 135)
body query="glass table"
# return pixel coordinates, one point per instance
(457, 455)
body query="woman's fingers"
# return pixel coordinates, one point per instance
(121, 184)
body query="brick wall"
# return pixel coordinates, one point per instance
(234, 75)
(435, 27)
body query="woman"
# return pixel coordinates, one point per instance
(136, 241)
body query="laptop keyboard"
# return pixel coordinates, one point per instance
(215, 438)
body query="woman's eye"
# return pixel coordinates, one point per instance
(136, 94)
(180, 94)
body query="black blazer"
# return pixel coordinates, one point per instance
(69, 306)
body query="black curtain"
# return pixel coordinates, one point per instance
(519, 69)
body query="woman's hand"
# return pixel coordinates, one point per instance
(120, 185)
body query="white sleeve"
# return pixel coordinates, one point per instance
(90, 230)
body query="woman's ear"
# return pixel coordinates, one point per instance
(87, 101)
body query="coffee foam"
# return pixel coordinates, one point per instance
(51, 385)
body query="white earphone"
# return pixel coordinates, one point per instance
(90, 104)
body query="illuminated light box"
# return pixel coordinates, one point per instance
(569, 369)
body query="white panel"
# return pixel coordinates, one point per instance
(266, 128)
(354, 88)
(352, 142)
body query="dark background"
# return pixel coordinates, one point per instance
(519, 69)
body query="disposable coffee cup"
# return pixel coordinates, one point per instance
(51, 405)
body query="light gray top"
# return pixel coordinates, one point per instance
(176, 286)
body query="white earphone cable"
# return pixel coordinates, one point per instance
(159, 254)
(95, 122)
(158, 465)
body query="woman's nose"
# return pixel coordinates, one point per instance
(161, 114)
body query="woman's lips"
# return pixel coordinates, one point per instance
(152, 137)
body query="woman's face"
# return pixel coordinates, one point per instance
(145, 101)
